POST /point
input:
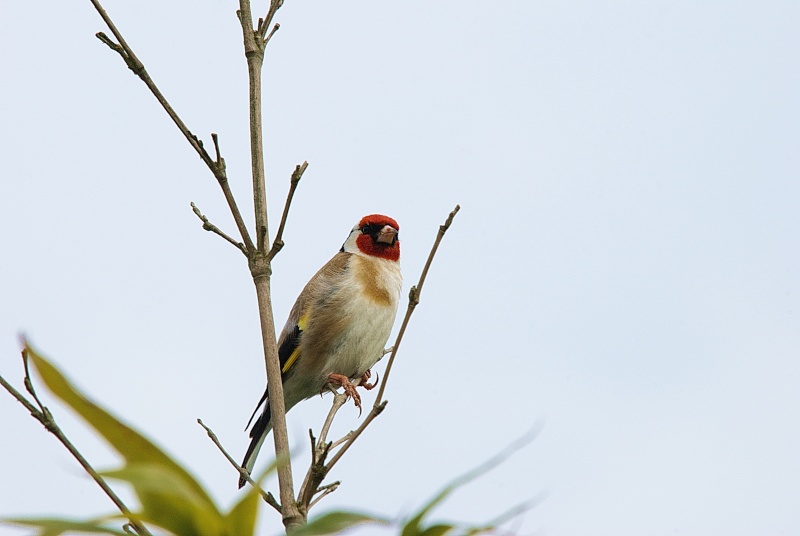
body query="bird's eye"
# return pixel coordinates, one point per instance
(365, 229)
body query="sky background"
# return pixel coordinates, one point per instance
(624, 269)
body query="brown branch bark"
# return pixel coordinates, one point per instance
(260, 269)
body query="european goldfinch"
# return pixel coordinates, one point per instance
(339, 325)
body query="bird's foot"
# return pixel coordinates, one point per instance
(344, 382)
(365, 384)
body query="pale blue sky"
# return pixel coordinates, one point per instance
(624, 267)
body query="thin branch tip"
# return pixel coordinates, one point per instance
(449, 219)
(271, 33)
(208, 226)
(294, 181)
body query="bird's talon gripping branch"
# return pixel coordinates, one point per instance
(340, 380)
(365, 384)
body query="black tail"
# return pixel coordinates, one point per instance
(257, 434)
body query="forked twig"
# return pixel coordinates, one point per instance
(264, 23)
(267, 496)
(353, 435)
(320, 448)
(217, 166)
(324, 491)
(208, 226)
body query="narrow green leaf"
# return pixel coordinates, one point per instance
(475, 531)
(133, 446)
(334, 522)
(437, 530)
(56, 526)
(241, 520)
(168, 501)
(413, 526)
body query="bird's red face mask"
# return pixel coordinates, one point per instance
(379, 237)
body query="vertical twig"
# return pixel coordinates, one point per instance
(259, 263)
(254, 53)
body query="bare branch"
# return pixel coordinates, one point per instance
(48, 421)
(274, 29)
(320, 448)
(277, 245)
(217, 167)
(260, 267)
(35, 413)
(28, 383)
(346, 437)
(338, 401)
(254, 52)
(377, 409)
(264, 23)
(413, 298)
(325, 490)
(208, 226)
(267, 496)
(219, 160)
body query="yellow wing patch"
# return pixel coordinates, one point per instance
(301, 325)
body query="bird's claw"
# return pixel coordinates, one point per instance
(365, 384)
(349, 389)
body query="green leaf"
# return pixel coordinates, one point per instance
(413, 526)
(437, 530)
(241, 520)
(334, 522)
(56, 527)
(135, 448)
(474, 531)
(168, 501)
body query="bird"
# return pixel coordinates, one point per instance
(339, 324)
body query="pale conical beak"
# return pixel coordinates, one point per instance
(387, 234)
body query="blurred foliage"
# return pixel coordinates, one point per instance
(172, 501)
